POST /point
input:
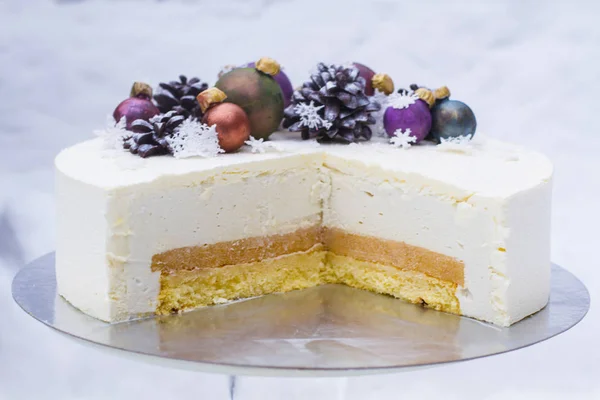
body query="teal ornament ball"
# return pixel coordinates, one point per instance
(450, 119)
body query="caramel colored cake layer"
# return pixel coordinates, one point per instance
(242, 251)
(199, 276)
(396, 254)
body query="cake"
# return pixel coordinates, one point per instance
(461, 227)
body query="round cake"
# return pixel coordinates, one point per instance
(154, 217)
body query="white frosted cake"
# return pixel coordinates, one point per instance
(463, 229)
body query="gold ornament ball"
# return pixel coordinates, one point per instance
(232, 125)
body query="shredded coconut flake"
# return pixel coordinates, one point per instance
(194, 139)
(402, 100)
(114, 134)
(459, 144)
(402, 139)
(309, 116)
(260, 146)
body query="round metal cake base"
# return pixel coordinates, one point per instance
(329, 330)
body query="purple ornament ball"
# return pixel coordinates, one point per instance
(284, 83)
(135, 108)
(368, 74)
(416, 117)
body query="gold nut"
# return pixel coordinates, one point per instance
(426, 95)
(441, 93)
(268, 66)
(209, 97)
(141, 89)
(383, 83)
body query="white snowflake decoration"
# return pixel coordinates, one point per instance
(195, 139)
(459, 144)
(114, 134)
(403, 140)
(309, 116)
(402, 100)
(260, 146)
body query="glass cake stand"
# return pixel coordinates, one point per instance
(329, 330)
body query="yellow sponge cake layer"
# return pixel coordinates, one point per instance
(412, 286)
(189, 289)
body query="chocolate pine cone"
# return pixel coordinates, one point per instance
(180, 96)
(150, 138)
(337, 94)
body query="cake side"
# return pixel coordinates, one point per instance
(527, 255)
(83, 274)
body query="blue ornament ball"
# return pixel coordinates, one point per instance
(451, 118)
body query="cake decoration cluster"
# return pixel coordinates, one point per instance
(339, 103)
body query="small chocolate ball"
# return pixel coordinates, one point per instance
(258, 94)
(452, 118)
(232, 125)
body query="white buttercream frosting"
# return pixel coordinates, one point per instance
(488, 206)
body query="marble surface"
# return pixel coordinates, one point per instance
(528, 69)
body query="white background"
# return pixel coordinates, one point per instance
(529, 69)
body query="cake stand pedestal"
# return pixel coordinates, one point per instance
(329, 330)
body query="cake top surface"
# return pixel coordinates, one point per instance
(345, 117)
(484, 166)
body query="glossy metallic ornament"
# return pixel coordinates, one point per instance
(258, 94)
(232, 125)
(452, 118)
(138, 106)
(284, 83)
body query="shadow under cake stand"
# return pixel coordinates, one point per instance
(329, 330)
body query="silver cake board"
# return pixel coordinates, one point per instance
(330, 330)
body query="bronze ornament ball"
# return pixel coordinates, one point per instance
(232, 125)
(258, 94)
